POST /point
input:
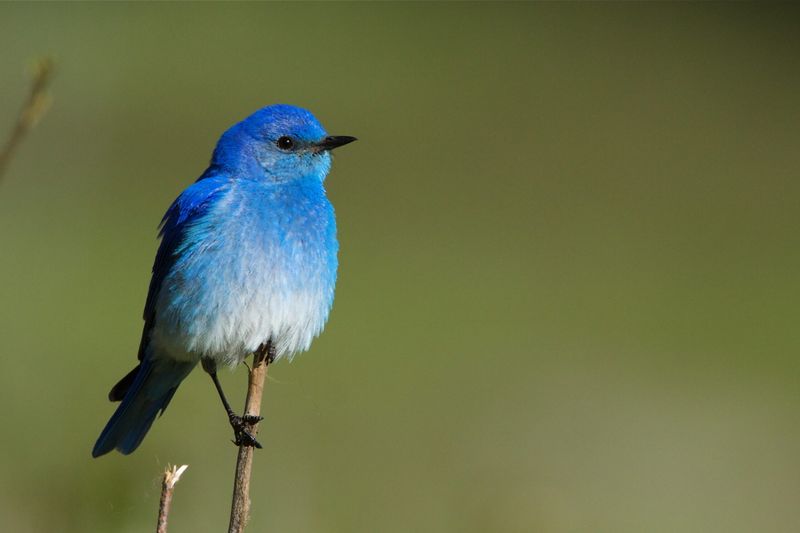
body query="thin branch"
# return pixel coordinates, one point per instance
(171, 477)
(240, 506)
(34, 108)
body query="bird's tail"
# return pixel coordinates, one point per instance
(150, 387)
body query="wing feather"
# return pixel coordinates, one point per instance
(191, 204)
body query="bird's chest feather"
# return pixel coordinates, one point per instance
(259, 265)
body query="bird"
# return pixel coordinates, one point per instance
(247, 263)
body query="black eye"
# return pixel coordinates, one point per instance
(285, 143)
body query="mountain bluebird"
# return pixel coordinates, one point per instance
(247, 263)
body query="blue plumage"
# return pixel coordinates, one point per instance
(248, 256)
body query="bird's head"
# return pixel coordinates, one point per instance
(279, 143)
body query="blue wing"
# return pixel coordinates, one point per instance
(191, 204)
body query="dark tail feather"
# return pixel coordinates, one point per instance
(149, 391)
(118, 391)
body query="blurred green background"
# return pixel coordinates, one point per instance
(569, 266)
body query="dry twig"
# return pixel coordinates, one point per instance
(240, 506)
(171, 476)
(34, 108)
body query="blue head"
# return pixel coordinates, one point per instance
(278, 143)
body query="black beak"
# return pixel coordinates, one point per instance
(329, 143)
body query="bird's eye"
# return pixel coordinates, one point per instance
(285, 143)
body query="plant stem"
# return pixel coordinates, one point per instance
(34, 108)
(171, 476)
(240, 506)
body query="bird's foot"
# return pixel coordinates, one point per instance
(242, 427)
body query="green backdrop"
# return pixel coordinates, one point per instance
(569, 266)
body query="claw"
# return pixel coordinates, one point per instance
(241, 430)
(245, 438)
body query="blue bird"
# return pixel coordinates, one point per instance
(247, 263)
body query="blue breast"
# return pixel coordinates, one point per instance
(258, 264)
